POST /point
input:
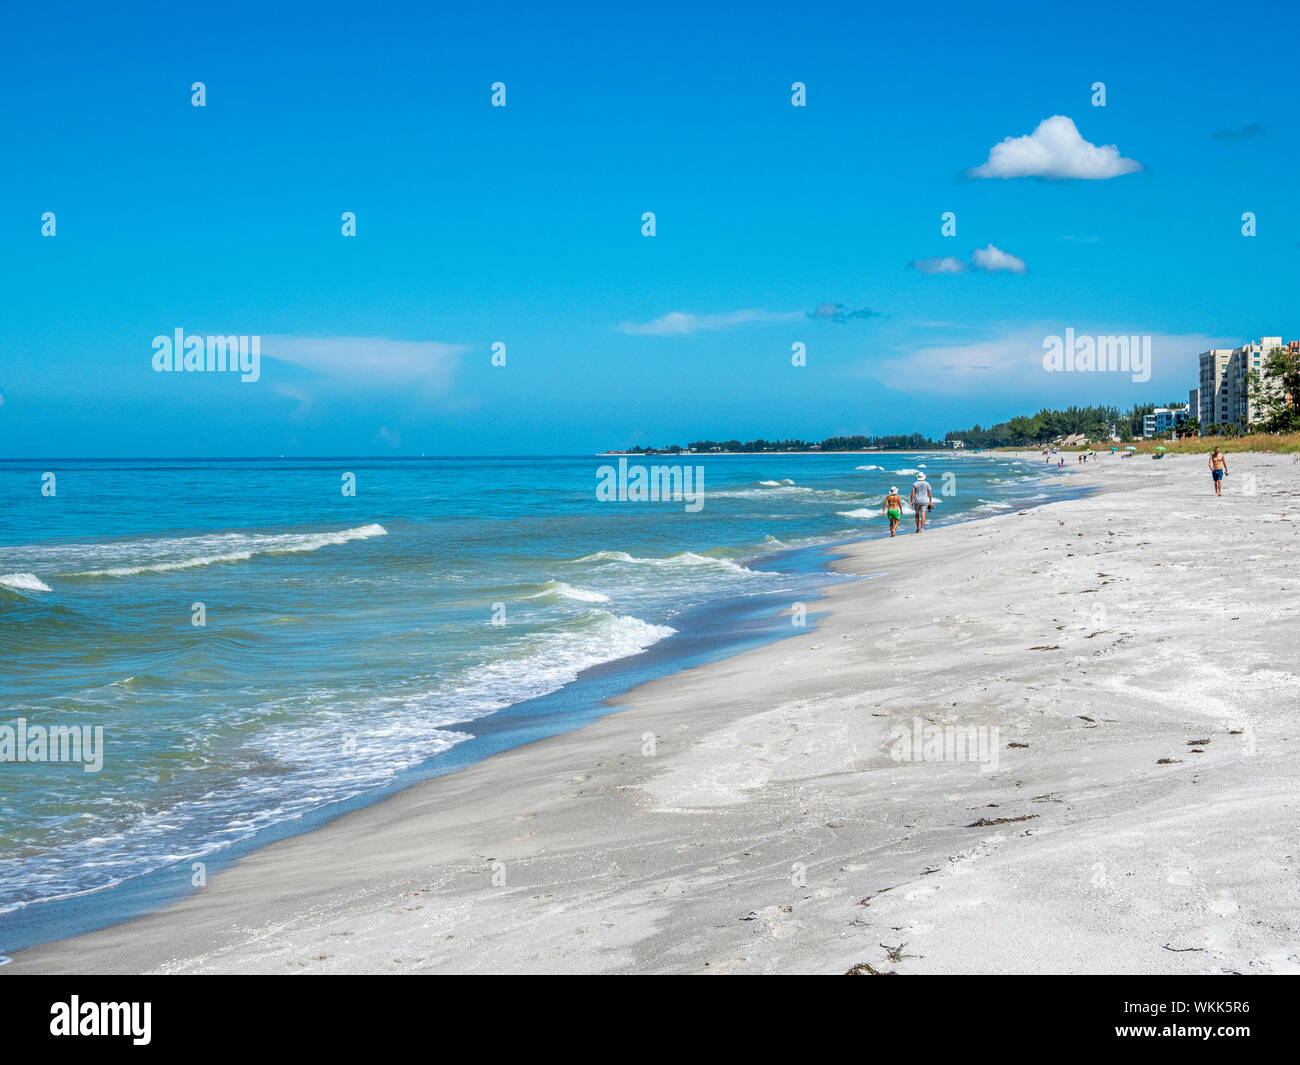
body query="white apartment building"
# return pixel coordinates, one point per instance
(1225, 382)
(1164, 420)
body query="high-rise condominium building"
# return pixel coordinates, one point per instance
(1225, 382)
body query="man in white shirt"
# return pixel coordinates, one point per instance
(921, 500)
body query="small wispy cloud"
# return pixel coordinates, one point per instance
(1235, 136)
(370, 362)
(391, 437)
(1009, 362)
(989, 259)
(838, 312)
(1055, 149)
(683, 323)
(941, 264)
(961, 366)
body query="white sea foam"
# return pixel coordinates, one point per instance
(760, 491)
(393, 733)
(870, 512)
(784, 491)
(607, 556)
(868, 467)
(691, 558)
(193, 551)
(683, 559)
(24, 582)
(561, 590)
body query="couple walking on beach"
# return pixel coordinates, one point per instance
(922, 500)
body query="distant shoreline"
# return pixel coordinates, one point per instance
(877, 451)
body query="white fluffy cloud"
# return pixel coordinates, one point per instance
(682, 323)
(1054, 150)
(989, 258)
(994, 259)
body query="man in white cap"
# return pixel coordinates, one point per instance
(921, 500)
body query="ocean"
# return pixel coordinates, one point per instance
(262, 650)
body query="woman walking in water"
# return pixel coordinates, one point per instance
(893, 509)
(1218, 470)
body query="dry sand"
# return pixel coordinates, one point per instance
(769, 829)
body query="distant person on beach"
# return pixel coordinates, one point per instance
(1218, 470)
(893, 509)
(922, 500)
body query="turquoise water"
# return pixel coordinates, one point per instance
(349, 639)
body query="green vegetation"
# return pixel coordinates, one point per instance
(908, 442)
(1203, 445)
(1096, 423)
(1278, 411)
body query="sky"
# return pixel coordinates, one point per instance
(774, 225)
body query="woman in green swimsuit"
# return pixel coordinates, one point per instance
(894, 509)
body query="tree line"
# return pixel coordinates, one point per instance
(898, 442)
(1095, 423)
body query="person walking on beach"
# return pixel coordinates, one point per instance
(893, 509)
(1218, 470)
(921, 501)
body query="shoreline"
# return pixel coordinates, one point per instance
(760, 454)
(707, 631)
(744, 836)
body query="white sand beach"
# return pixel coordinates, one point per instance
(1136, 651)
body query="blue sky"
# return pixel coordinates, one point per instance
(523, 225)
